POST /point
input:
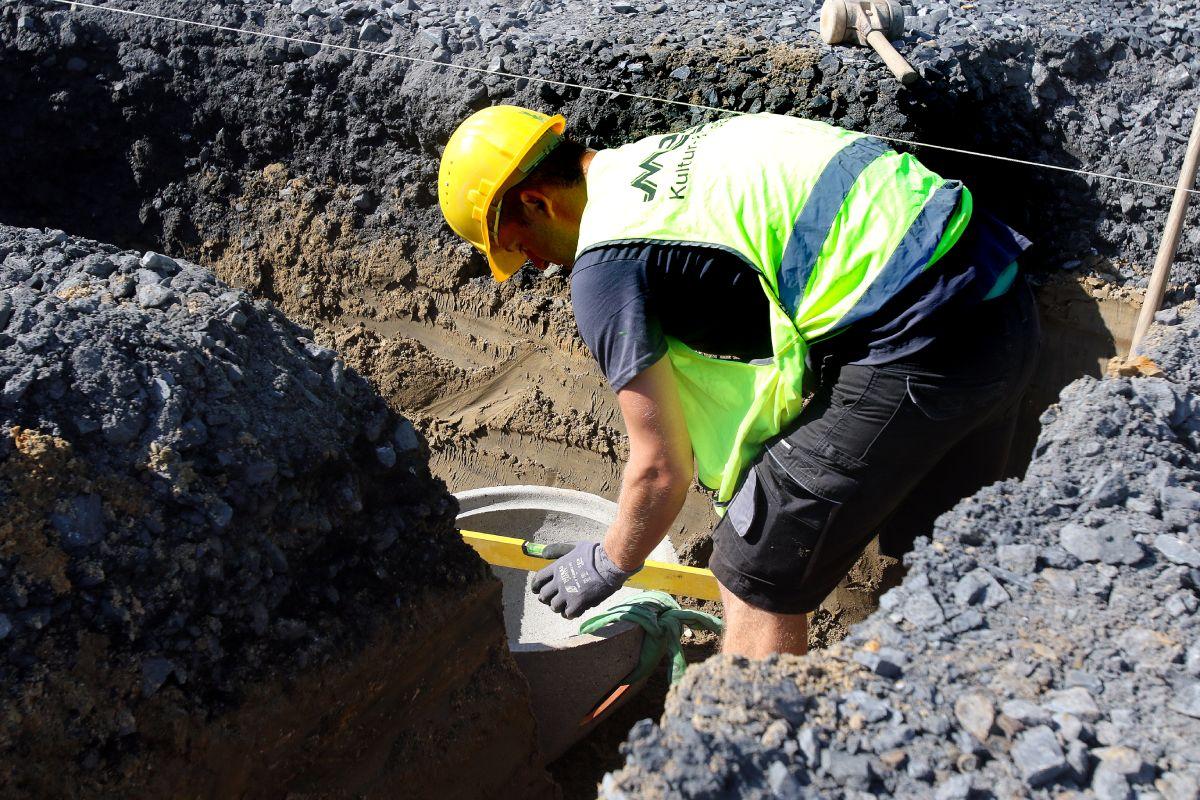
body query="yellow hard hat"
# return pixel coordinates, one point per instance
(489, 153)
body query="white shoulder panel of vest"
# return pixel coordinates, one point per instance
(735, 183)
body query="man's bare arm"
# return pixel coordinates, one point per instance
(660, 468)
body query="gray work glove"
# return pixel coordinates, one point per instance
(582, 579)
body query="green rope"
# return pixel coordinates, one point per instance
(662, 619)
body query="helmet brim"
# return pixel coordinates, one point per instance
(504, 264)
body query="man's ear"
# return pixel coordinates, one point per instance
(537, 203)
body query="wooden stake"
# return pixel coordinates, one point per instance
(1170, 240)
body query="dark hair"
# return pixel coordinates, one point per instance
(560, 167)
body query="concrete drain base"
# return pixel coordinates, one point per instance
(569, 674)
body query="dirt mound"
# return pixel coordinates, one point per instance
(203, 507)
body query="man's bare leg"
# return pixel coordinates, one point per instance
(754, 633)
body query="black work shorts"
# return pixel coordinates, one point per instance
(878, 450)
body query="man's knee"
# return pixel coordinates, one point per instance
(755, 633)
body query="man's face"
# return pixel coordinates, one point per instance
(530, 225)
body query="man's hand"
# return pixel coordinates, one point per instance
(582, 579)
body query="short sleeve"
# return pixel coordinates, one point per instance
(609, 297)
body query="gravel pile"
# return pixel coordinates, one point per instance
(1044, 643)
(1071, 86)
(197, 498)
(1111, 90)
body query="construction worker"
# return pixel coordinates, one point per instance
(718, 272)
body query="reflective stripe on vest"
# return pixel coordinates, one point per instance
(834, 223)
(812, 224)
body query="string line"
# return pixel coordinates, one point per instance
(583, 87)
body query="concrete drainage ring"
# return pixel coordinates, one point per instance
(569, 674)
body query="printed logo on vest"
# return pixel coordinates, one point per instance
(650, 167)
(672, 141)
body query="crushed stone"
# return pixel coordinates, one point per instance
(199, 501)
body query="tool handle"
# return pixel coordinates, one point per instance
(1170, 241)
(550, 552)
(895, 62)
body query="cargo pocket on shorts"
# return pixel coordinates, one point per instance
(814, 485)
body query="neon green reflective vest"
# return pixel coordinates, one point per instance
(834, 223)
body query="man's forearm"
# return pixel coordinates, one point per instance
(651, 496)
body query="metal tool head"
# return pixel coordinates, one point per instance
(849, 21)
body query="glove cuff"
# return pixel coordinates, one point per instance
(608, 571)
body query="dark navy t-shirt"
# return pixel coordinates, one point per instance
(629, 297)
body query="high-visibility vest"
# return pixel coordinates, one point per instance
(833, 222)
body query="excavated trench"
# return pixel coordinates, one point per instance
(315, 190)
(308, 180)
